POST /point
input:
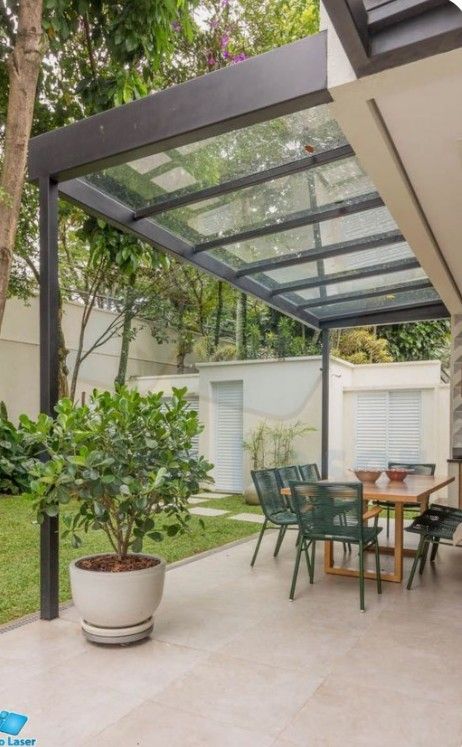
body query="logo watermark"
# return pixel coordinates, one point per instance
(11, 724)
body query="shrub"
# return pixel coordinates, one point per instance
(17, 453)
(126, 459)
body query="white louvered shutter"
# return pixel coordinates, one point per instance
(405, 426)
(388, 427)
(228, 436)
(193, 404)
(371, 432)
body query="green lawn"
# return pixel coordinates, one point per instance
(19, 549)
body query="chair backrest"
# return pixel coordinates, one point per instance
(323, 509)
(418, 469)
(309, 472)
(268, 490)
(286, 474)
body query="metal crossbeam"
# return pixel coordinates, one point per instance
(234, 185)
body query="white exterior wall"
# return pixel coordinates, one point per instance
(289, 390)
(19, 354)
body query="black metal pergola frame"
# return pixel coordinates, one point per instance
(280, 82)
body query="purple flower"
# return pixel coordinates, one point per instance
(224, 3)
(176, 26)
(225, 54)
(211, 60)
(214, 23)
(239, 57)
(224, 41)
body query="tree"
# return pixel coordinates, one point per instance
(360, 345)
(99, 55)
(23, 46)
(419, 341)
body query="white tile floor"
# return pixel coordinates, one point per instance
(233, 663)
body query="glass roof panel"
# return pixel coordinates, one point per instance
(345, 228)
(209, 162)
(270, 202)
(342, 263)
(362, 284)
(379, 303)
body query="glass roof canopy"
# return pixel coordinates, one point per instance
(280, 207)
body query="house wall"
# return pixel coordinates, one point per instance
(19, 354)
(290, 390)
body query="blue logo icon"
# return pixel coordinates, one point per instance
(11, 723)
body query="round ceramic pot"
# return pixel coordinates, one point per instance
(117, 607)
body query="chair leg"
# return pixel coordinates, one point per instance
(388, 522)
(377, 568)
(416, 560)
(296, 567)
(260, 537)
(313, 557)
(361, 578)
(306, 547)
(434, 550)
(281, 536)
(423, 559)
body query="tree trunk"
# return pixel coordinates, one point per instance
(126, 338)
(218, 318)
(241, 327)
(23, 70)
(63, 370)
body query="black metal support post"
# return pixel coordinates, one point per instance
(325, 336)
(49, 309)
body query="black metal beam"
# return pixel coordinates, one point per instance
(282, 81)
(297, 220)
(396, 307)
(234, 185)
(411, 313)
(327, 252)
(396, 11)
(357, 274)
(49, 390)
(325, 381)
(97, 203)
(385, 290)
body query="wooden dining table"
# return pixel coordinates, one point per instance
(416, 490)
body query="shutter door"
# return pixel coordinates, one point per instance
(388, 427)
(371, 431)
(228, 436)
(405, 426)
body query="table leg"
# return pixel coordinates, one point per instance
(399, 536)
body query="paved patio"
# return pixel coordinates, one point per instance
(234, 663)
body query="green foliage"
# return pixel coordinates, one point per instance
(419, 341)
(16, 455)
(274, 445)
(361, 345)
(127, 460)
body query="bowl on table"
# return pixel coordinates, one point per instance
(367, 475)
(397, 475)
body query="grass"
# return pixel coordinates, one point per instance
(19, 549)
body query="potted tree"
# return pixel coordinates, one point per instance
(121, 465)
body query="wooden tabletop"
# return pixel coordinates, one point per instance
(414, 489)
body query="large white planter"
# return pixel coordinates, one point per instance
(117, 607)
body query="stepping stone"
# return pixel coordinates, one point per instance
(211, 496)
(202, 511)
(255, 518)
(196, 500)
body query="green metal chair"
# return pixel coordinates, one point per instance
(436, 526)
(309, 472)
(274, 506)
(317, 508)
(418, 469)
(286, 474)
